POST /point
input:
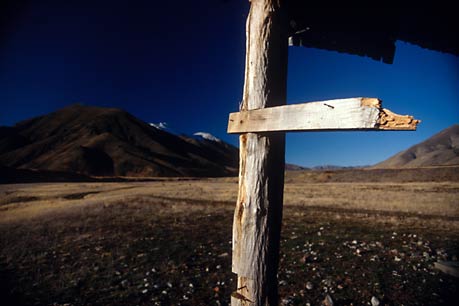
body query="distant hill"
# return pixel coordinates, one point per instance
(335, 167)
(293, 167)
(440, 149)
(100, 141)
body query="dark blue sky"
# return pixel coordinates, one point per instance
(183, 63)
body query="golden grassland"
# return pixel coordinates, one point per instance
(434, 199)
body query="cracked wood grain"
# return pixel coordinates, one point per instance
(258, 213)
(331, 115)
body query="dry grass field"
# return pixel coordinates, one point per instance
(168, 242)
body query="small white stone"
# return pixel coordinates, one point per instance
(327, 301)
(374, 301)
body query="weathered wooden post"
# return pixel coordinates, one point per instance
(262, 121)
(258, 215)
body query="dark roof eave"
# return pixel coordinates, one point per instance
(372, 30)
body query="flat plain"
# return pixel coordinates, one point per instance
(168, 241)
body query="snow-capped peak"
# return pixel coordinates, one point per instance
(160, 125)
(207, 136)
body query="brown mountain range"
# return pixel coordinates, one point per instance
(100, 141)
(80, 141)
(442, 149)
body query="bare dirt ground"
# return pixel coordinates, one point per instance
(168, 242)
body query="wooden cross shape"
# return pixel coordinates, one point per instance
(262, 122)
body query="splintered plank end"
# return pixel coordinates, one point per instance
(391, 121)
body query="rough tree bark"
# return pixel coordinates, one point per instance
(258, 214)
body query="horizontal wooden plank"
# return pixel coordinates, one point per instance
(331, 115)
